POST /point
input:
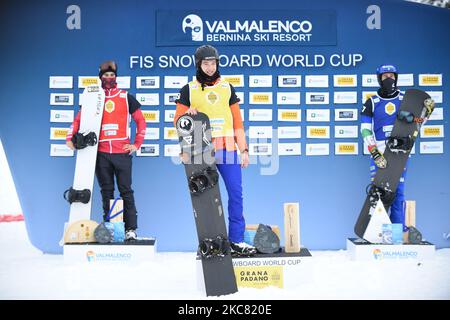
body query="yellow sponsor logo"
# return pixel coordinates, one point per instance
(172, 133)
(260, 98)
(289, 115)
(346, 81)
(431, 79)
(259, 277)
(89, 81)
(235, 81)
(149, 115)
(389, 108)
(346, 148)
(212, 97)
(60, 133)
(432, 132)
(109, 106)
(318, 132)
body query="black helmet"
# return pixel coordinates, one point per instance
(206, 52)
(107, 66)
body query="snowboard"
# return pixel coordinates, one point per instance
(80, 194)
(406, 128)
(197, 152)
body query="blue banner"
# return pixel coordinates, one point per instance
(251, 28)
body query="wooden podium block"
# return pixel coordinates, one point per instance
(292, 227)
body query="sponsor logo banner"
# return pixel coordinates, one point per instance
(60, 150)
(405, 80)
(124, 82)
(60, 82)
(346, 97)
(260, 132)
(367, 94)
(260, 115)
(260, 149)
(345, 114)
(148, 150)
(430, 80)
(241, 96)
(292, 98)
(170, 98)
(58, 133)
(316, 81)
(345, 148)
(370, 80)
(169, 115)
(431, 147)
(61, 116)
(246, 27)
(317, 149)
(346, 131)
(84, 81)
(345, 80)
(151, 116)
(318, 132)
(237, 80)
(151, 82)
(438, 114)
(260, 81)
(318, 115)
(172, 150)
(176, 82)
(151, 134)
(260, 97)
(61, 99)
(148, 99)
(436, 96)
(289, 132)
(289, 81)
(290, 115)
(317, 98)
(170, 133)
(289, 149)
(432, 131)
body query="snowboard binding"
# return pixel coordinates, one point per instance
(203, 180)
(375, 193)
(72, 195)
(214, 248)
(81, 141)
(400, 144)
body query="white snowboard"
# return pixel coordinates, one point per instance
(92, 102)
(374, 230)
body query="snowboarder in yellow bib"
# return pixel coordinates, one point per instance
(217, 99)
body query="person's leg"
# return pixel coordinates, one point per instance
(230, 170)
(398, 206)
(104, 172)
(123, 171)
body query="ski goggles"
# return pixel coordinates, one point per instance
(405, 116)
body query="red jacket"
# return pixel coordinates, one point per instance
(125, 106)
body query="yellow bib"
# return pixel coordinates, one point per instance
(214, 102)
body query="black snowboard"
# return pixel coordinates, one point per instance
(194, 134)
(387, 179)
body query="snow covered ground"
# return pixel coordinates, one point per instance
(26, 273)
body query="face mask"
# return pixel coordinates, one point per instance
(388, 86)
(109, 83)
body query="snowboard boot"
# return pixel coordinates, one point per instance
(130, 235)
(242, 249)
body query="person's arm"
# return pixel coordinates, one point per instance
(134, 108)
(73, 130)
(368, 136)
(183, 104)
(238, 127)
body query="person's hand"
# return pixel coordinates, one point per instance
(378, 157)
(130, 148)
(191, 111)
(70, 145)
(184, 157)
(244, 159)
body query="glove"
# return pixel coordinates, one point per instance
(429, 105)
(377, 157)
